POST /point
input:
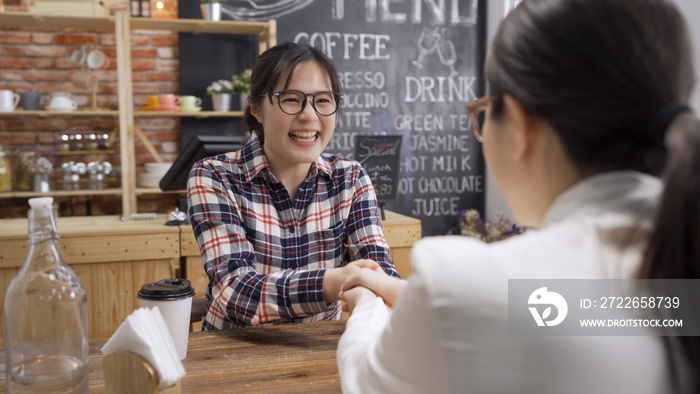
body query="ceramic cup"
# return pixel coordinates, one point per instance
(8, 100)
(174, 299)
(62, 103)
(78, 56)
(152, 101)
(168, 100)
(84, 80)
(190, 103)
(31, 101)
(97, 60)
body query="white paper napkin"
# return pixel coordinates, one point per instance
(145, 333)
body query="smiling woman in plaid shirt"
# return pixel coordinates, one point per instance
(280, 224)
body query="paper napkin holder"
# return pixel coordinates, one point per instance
(127, 372)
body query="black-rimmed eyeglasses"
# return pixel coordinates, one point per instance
(293, 102)
(477, 113)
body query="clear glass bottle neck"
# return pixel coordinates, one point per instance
(42, 226)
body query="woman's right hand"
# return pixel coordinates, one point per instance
(384, 286)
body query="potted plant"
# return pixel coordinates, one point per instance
(211, 9)
(221, 92)
(241, 85)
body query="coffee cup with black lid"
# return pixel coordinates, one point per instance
(173, 297)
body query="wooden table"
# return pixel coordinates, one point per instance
(285, 358)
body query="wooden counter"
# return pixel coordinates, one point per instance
(114, 258)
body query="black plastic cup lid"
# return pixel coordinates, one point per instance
(166, 290)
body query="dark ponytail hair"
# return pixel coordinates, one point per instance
(269, 69)
(599, 72)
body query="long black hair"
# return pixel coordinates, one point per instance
(600, 73)
(269, 69)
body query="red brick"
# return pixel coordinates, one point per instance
(13, 37)
(15, 126)
(146, 88)
(45, 87)
(14, 51)
(42, 38)
(15, 63)
(47, 124)
(108, 39)
(143, 152)
(169, 87)
(45, 75)
(110, 88)
(21, 139)
(48, 138)
(39, 50)
(68, 39)
(144, 53)
(163, 136)
(109, 101)
(138, 76)
(169, 65)
(12, 75)
(111, 52)
(103, 125)
(159, 76)
(158, 124)
(164, 41)
(45, 63)
(139, 64)
(65, 63)
(138, 40)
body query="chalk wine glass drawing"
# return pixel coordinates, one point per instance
(427, 42)
(431, 39)
(446, 53)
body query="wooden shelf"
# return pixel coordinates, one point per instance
(121, 24)
(29, 20)
(62, 193)
(154, 190)
(115, 113)
(201, 114)
(45, 114)
(106, 23)
(84, 152)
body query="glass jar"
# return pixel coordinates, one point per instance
(63, 143)
(91, 142)
(76, 142)
(5, 172)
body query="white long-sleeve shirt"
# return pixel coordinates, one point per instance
(449, 330)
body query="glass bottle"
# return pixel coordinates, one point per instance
(46, 338)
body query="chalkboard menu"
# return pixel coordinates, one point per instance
(380, 155)
(408, 68)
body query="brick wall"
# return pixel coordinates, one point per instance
(38, 61)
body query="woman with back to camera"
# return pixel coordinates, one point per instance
(280, 224)
(589, 137)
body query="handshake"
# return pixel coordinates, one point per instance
(360, 282)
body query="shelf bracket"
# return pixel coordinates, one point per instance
(147, 144)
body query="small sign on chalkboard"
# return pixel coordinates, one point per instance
(380, 155)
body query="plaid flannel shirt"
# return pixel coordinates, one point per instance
(265, 254)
